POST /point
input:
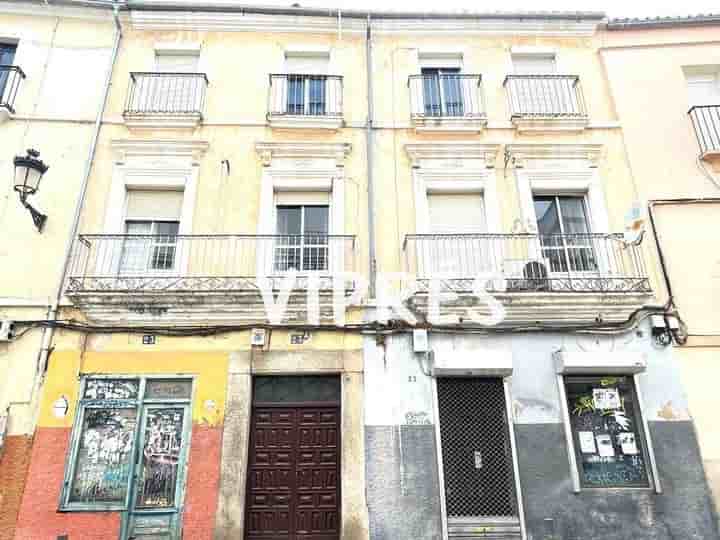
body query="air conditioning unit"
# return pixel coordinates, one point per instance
(6, 330)
(523, 275)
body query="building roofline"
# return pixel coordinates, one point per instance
(709, 19)
(232, 6)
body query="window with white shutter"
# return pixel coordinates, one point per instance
(307, 83)
(703, 86)
(459, 251)
(152, 220)
(456, 213)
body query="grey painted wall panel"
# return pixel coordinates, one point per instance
(402, 483)
(682, 512)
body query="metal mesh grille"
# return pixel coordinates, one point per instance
(477, 457)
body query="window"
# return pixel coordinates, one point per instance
(442, 91)
(607, 431)
(302, 242)
(564, 233)
(7, 57)
(151, 226)
(173, 90)
(703, 84)
(114, 417)
(456, 213)
(306, 83)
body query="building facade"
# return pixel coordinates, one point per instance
(376, 284)
(42, 109)
(681, 187)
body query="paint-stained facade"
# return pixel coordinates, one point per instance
(200, 382)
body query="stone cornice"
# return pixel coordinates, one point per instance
(220, 20)
(298, 150)
(521, 152)
(125, 148)
(420, 151)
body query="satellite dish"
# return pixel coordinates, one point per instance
(634, 225)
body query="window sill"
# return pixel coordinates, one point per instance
(162, 120)
(545, 124)
(450, 123)
(291, 121)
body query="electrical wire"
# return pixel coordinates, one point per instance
(393, 326)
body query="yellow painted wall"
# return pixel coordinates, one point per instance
(55, 119)
(209, 369)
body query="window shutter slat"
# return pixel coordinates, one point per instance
(154, 205)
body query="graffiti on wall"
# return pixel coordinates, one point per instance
(161, 458)
(103, 462)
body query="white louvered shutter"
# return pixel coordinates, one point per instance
(148, 205)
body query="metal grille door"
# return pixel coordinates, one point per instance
(477, 458)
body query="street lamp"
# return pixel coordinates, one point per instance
(29, 170)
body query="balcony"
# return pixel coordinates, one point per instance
(546, 103)
(305, 101)
(447, 102)
(548, 278)
(180, 278)
(165, 100)
(706, 122)
(10, 77)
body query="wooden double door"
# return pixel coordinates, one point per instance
(293, 485)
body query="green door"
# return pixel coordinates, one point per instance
(159, 474)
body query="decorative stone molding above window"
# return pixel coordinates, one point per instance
(304, 154)
(159, 148)
(524, 155)
(451, 155)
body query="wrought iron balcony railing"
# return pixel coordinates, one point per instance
(166, 94)
(446, 95)
(176, 263)
(545, 96)
(528, 263)
(305, 95)
(706, 122)
(10, 77)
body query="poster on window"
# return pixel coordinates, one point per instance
(587, 442)
(628, 444)
(606, 398)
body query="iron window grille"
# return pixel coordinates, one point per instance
(607, 431)
(706, 123)
(126, 429)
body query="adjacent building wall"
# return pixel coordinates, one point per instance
(645, 73)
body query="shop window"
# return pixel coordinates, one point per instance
(607, 432)
(128, 428)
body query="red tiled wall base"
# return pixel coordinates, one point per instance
(40, 520)
(14, 463)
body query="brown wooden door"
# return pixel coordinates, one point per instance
(293, 488)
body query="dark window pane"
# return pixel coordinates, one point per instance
(295, 94)
(316, 93)
(166, 227)
(573, 215)
(111, 389)
(289, 220)
(294, 389)
(607, 432)
(161, 458)
(316, 220)
(104, 453)
(168, 389)
(548, 220)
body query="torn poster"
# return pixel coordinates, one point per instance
(606, 398)
(628, 444)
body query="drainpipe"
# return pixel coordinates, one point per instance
(48, 332)
(369, 141)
